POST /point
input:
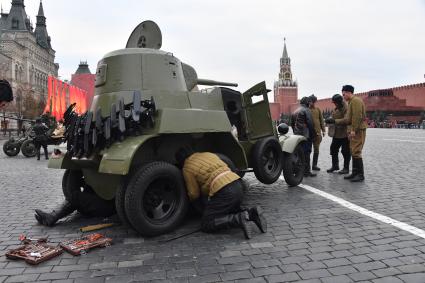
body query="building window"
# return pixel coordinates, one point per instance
(15, 23)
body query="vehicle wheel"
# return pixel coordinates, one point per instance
(230, 164)
(293, 166)
(28, 148)
(86, 201)
(120, 201)
(67, 194)
(156, 200)
(266, 160)
(11, 148)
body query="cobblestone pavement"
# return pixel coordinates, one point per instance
(310, 238)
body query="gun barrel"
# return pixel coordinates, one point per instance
(212, 82)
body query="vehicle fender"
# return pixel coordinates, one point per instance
(118, 157)
(289, 143)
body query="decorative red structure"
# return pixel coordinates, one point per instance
(60, 95)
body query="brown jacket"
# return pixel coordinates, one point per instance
(318, 122)
(340, 129)
(201, 172)
(355, 116)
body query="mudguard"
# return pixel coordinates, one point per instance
(289, 143)
(117, 158)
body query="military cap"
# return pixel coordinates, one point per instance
(348, 88)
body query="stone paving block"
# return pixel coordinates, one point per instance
(390, 271)
(360, 276)
(234, 275)
(341, 270)
(252, 280)
(103, 265)
(311, 274)
(389, 279)
(159, 275)
(383, 255)
(205, 278)
(285, 277)
(119, 279)
(336, 279)
(238, 266)
(11, 271)
(336, 262)
(90, 280)
(258, 272)
(412, 278)
(22, 278)
(294, 259)
(320, 256)
(73, 267)
(408, 251)
(412, 268)
(54, 275)
(211, 269)
(369, 266)
(290, 267)
(181, 273)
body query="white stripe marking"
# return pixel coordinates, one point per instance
(385, 219)
(403, 140)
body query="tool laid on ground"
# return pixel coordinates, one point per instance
(96, 227)
(82, 245)
(34, 252)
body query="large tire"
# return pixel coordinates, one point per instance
(86, 201)
(266, 160)
(120, 201)
(230, 164)
(293, 166)
(11, 148)
(28, 148)
(156, 200)
(65, 189)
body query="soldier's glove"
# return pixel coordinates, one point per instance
(330, 120)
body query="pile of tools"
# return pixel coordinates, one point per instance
(34, 251)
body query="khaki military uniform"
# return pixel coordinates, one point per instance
(319, 127)
(356, 121)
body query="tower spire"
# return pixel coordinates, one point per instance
(285, 51)
(41, 35)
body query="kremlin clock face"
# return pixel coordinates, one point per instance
(287, 76)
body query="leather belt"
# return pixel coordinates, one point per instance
(218, 177)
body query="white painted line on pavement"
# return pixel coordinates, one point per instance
(404, 140)
(385, 219)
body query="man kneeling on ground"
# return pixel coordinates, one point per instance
(206, 174)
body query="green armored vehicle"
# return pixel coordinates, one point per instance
(147, 106)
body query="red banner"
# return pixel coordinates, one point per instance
(60, 95)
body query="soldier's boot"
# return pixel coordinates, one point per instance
(49, 219)
(38, 155)
(335, 164)
(360, 173)
(307, 170)
(256, 215)
(346, 168)
(238, 220)
(315, 159)
(354, 171)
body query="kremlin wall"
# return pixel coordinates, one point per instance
(397, 104)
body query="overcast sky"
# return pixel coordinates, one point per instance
(370, 44)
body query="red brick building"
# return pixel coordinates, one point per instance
(285, 89)
(84, 79)
(404, 103)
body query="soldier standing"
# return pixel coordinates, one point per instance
(40, 139)
(302, 124)
(356, 121)
(339, 136)
(319, 130)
